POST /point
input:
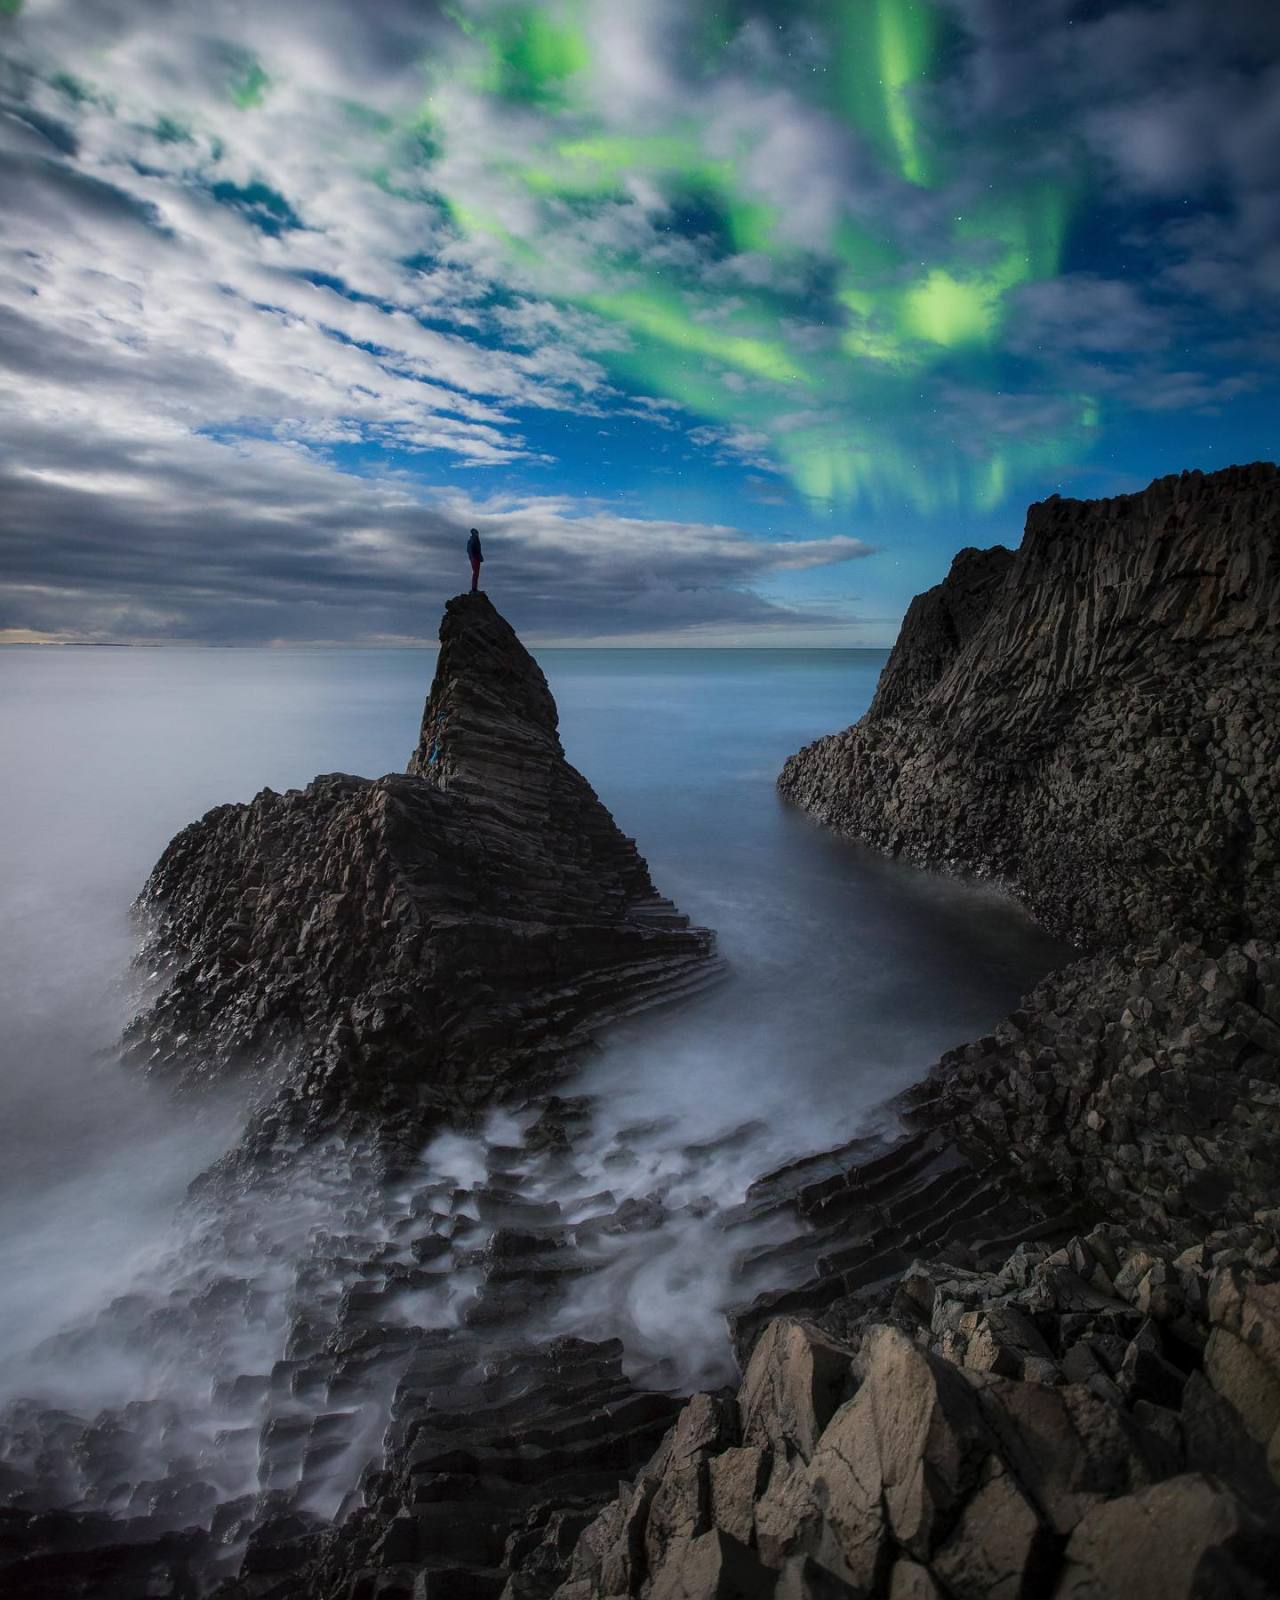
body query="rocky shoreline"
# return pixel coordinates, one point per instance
(390, 953)
(1025, 1344)
(1093, 721)
(1034, 1347)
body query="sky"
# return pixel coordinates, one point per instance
(725, 321)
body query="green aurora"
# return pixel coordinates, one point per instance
(825, 361)
(842, 417)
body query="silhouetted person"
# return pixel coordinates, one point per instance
(475, 555)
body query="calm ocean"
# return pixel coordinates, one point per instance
(848, 973)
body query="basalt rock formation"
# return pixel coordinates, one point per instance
(1094, 720)
(1025, 1345)
(1031, 1346)
(349, 1369)
(411, 946)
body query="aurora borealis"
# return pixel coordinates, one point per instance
(825, 341)
(726, 321)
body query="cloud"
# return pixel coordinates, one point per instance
(1083, 312)
(113, 533)
(911, 255)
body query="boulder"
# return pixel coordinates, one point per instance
(794, 1382)
(713, 1566)
(1184, 1539)
(900, 1457)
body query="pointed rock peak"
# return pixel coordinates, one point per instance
(489, 699)
(937, 626)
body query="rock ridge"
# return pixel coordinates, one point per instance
(1093, 720)
(1030, 1346)
(413, 945)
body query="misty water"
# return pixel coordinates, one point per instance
(847, 976)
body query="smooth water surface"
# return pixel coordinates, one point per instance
(848, 974)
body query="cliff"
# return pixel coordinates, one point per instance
(1094, 720)
(346, 1358)
(1031, 1347)
(415, 944)
(1028, 1344)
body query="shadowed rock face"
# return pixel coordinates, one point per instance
(413, 944)
(937, 627)
(1045, 1349)
(1094, 720)
(347, 1357)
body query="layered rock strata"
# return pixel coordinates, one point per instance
(1093, 720)
(349, 1374)
(1029, 1346)
(411, 945)
(348, 1384)
(1038, 1346)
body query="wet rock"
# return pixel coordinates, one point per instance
(415, 944)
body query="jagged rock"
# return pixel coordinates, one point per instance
(412, 943)
(1242, 1356)
(1040, 1346)
(1184, 1539)
(680, 1509)
(899, 1457)
(795, 1380)
(942, 1478)
(1094, 720)
(712, 1567)
(937, 627)
(1057, 1286)
(910, 1581)
(1120, 1077)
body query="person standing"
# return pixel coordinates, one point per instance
(475, 555)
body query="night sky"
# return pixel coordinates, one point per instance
(725, 323)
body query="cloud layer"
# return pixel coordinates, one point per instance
(290, 295)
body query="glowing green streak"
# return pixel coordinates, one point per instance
(599, 164)
(955, 306)
(948, 311)
(853, 426)
(529, 57)
(884, 48)
(905, 48)
(660, 318)
(751, 224)
(472, 220)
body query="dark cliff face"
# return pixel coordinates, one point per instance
(1044, 1354)
(1094, 720)
(937, 627)
(418, 943)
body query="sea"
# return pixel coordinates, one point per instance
(847, 974)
